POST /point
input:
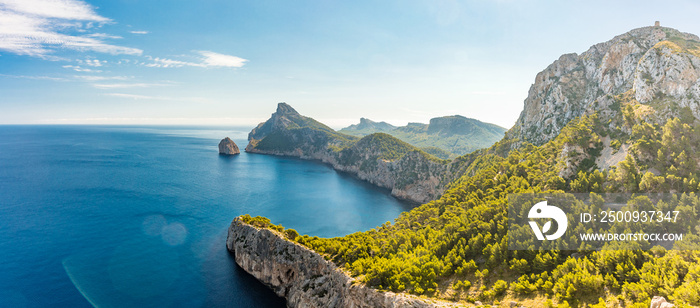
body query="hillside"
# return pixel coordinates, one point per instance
(444, 137)
(620, 118)
(379, 158)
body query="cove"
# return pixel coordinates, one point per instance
(114, 216)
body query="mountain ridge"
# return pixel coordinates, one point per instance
(636, 63)
(456, 134)
(381, 159)
(369, 126)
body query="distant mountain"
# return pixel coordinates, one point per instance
(366, 127)
(379, 158)
(456, 135)
(288, 131)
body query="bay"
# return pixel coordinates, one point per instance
(117, 216)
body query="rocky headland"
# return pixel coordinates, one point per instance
(379, 158)
(301, 275)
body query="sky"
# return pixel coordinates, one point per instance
(227, 62)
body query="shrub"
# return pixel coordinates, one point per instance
(291, 234)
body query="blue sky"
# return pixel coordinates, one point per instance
(231, 62)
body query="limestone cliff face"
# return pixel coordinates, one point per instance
(412, 177)
(378, 158)
(654, 65)
(302, 276)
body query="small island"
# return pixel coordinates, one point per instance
(228, 147)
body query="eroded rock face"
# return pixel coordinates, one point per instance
(228, 147)
(654, 65)
(302, 276)
(660, 302)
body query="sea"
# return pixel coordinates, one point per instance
(127, 216)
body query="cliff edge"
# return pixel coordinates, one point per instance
(302, 276)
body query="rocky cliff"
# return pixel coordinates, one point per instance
(380, 159)
(302, 276)
(654, 66)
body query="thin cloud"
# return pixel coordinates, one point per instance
(91, 62)
(139, 32)
(213, 59)
(35, 77)
(78, 68)
(61, 9)
(162, 62)
(34, 28)
(210, 59)
(94, 78)
(127, 85)
(104, 36)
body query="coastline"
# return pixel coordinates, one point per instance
(303, 277)
(410, 204)
(416, 193)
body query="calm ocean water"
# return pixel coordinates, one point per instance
(137, 216)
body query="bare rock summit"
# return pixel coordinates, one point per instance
(655, 67)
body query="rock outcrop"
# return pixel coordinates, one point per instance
(228, 147)
(656, 66)
(660, 302)
(379, 158)
(302, 276)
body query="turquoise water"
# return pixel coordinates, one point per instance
(137, 216)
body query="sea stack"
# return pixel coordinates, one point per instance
(228, 147)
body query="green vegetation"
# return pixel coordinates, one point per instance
(292, 138)
(379, 146)
(677, 43)
(264, 222)
(438, 152)
(367, 127)
(455, 135)
(290, 133)
(384, 145)
(455, 247)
